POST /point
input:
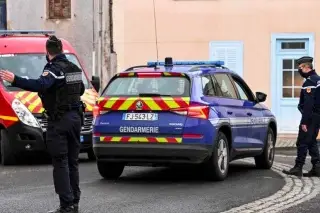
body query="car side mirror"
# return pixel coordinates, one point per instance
(261, 97)
(96, 83)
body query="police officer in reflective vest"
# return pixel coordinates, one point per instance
(59, 87)
(309, 106)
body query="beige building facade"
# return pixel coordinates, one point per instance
(260, 40)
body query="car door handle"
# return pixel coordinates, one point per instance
(249, 113)
(229, 113)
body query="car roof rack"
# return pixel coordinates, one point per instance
(139, 66)
(26, 32)
(196, 68)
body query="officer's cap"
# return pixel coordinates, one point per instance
(304, 59)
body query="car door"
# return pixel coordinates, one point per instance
(256, 126)
(233, 108)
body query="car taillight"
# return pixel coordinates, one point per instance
(96, 111)
(194, 111)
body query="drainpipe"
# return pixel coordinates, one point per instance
(100, 44)
(111, 25)
(93, 39)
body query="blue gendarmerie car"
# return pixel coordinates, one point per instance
(183, 112)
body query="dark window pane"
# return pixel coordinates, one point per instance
(287, 78)
(287, 92)
(297, 92)
(295, 64)
(287, 64)
(60, 9)
(293, 45)
(298, 80)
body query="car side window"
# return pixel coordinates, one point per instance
(207, 86)
(244, 92)
(226, 87)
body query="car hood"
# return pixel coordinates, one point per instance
(33, 102)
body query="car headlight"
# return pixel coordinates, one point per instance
(24, 114)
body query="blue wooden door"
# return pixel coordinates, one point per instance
(289, 83)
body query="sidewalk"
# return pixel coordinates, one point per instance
(287, 141)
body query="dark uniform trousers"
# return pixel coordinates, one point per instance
(308, 141)
(63, 144)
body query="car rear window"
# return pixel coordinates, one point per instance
(154, 86)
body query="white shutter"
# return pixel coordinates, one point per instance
(231, 52)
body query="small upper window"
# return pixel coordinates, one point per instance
(225, 86)
(293, 45)
(59, 9)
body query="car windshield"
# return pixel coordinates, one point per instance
(151, 86)
(30, 66)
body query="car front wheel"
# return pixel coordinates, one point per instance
(265, 160)
(218, 165)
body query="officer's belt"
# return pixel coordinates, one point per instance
(68, 107)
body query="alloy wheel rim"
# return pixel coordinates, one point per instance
(270, 148)
(222, 156)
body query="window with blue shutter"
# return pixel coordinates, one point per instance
(231, 52)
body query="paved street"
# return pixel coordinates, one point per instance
(28, 188)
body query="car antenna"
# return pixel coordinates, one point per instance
(156, 32)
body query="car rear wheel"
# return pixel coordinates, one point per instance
(7, 155)
(218, 165)
(91, 154)
(110, 171)
(265, 160)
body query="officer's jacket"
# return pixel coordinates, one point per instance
(52, 78)
(310, 97)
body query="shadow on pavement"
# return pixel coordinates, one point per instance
(237, 170)
(42, 159)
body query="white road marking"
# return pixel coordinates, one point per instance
(294, 192)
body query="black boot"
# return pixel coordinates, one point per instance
(314, 172)
(76, 207)
(69, 209)
(296, 170)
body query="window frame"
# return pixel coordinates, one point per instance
(56, 17)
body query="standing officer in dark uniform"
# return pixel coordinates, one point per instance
(59, 87)
(309, 106)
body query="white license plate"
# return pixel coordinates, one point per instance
(140, 116)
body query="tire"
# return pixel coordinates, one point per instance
(216, 170)
(110, 171)
(7, 155)
(266, 159)
(91, 155)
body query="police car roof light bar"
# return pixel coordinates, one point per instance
(187, 63)
(16, 32)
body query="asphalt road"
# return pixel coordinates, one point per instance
(29, 188)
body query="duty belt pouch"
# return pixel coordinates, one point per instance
(82, 111)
